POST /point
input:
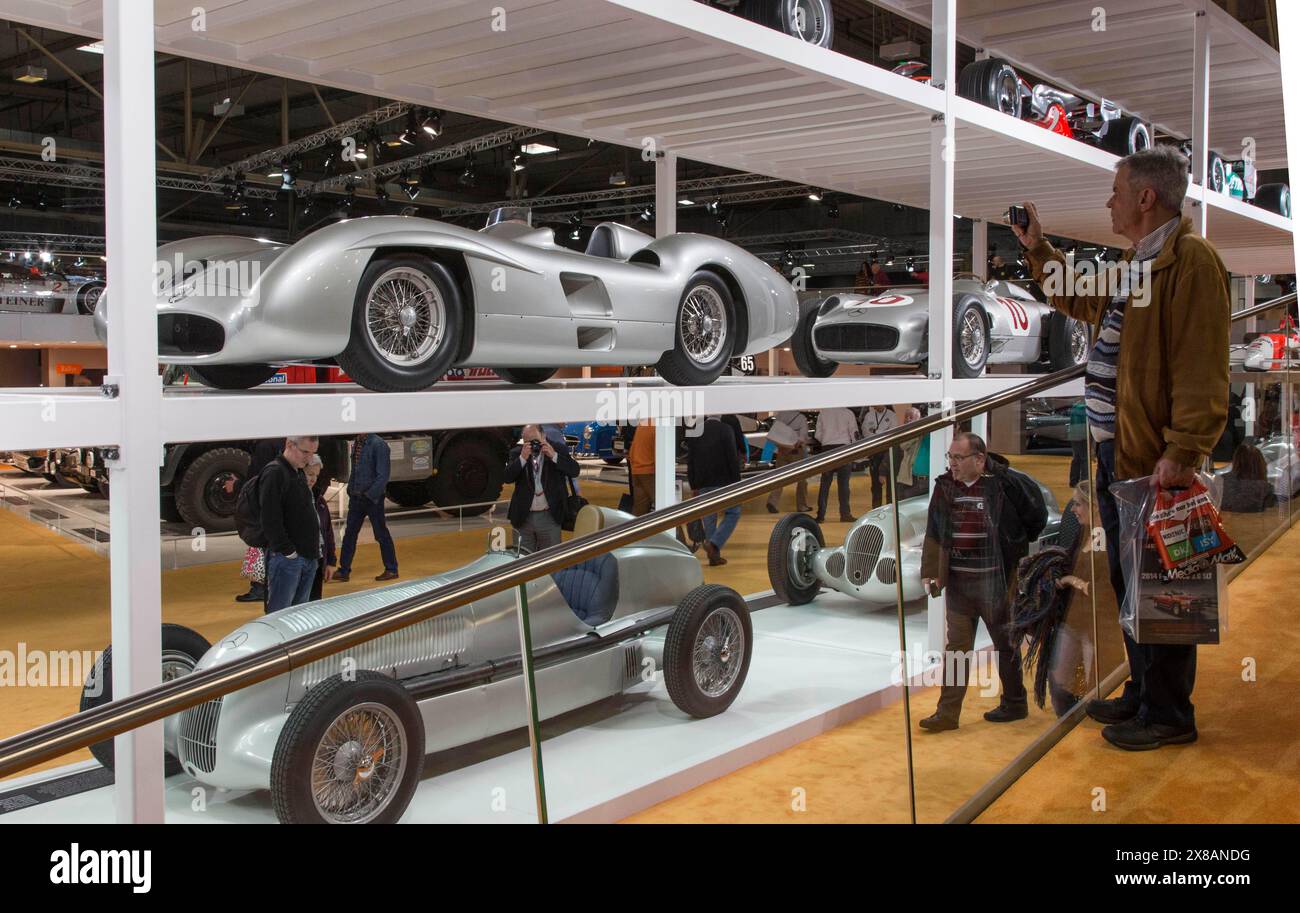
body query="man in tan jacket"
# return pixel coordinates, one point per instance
(1156, 395)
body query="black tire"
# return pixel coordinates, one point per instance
(325, 704)
(525, 375)
(179, 644)
(698, 606)
(1216, 173)
(779, 571)
(973, 365)
(471, 470)
(682, 369)
(993, 83)
(88, 296)
(1124, 136)
(231, 377)
(1061, 351)
(613, 461)
(200, 496)
(367, 364)
(818, 25)
(806, 359)
(411, 493)
(1275, 198)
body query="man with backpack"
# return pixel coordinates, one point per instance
(982, 517)
(290, 528)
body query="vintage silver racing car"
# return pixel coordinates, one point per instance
(865, 567)
(34, 290)
(343, 740)
(396, 301)
(995, 322)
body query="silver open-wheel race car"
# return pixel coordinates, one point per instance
(396, 301)
(996, 322)
(799, 563)
(343, 739)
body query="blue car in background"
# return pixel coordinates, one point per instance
(594, 439)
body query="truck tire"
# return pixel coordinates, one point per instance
(411, 493)
(201, 498)
(471, 470)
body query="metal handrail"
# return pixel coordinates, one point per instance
(123, 714)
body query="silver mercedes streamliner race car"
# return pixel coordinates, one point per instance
(995, 322)
(865, 567)
(343, 740)
(396, 301)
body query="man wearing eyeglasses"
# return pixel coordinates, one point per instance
(982, 517)
(291, 525)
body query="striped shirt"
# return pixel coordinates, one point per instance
(1103, 361)
(974, 548)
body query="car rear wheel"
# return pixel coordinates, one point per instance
(704, 334)
(970, 344)
(88, 296)
(1125, 135)
(231, 377)
(993, 83)
(202, 498)
(350, 753)
(1067, 341)
(181, 651)
(707, 650)
(1275, 198)
(525, 375)
(806, 359)
(406, 324)
(795, 539)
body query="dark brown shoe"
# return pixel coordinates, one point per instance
(387, 575)
(341, 577)
(715, 557)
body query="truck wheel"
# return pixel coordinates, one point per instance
(1275, 198)
(201, 496)
(406, 324)
(707, 650)
(1124, 136)
(808, 20)
(795, 539)
(993, 83)
(231, 377)
(970, 344)
(704, 334)
(525, 375)
(1067, 342)
(411, 493)
(470, 471)
(181, 651)
(806, 359)
(350, 753)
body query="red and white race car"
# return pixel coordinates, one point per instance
(1273, 351)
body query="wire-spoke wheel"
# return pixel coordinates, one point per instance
(406, 324)
(707, 650)
(971, 342)
(350, 753)
(704, 332)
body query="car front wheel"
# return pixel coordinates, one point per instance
(707, 650)
(970, 344)
(704, 334)
(795, 539)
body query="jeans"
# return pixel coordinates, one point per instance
(715, 532)
(288, 580)
(1161, 676)
(538, 532)
(878, 469)
(841, 477)
(361, 508)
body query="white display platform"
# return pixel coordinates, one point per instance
(814, 667)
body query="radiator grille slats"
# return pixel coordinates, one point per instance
(863, 550)
(198, 735)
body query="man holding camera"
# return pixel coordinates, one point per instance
(1156, 396)
(540, 474)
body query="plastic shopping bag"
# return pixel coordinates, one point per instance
(1185, 604)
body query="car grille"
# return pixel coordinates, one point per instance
(189, 334)
(856, 337)
(885, 571)
(863, 549)
(198, 735)
(835, 564)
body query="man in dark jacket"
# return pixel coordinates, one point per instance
(264, 451)
(540, 472)
(290, 523)
(366, 486)
(319, 483)
(713, 461)
(979, 527)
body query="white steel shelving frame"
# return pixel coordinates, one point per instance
(703, 84)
